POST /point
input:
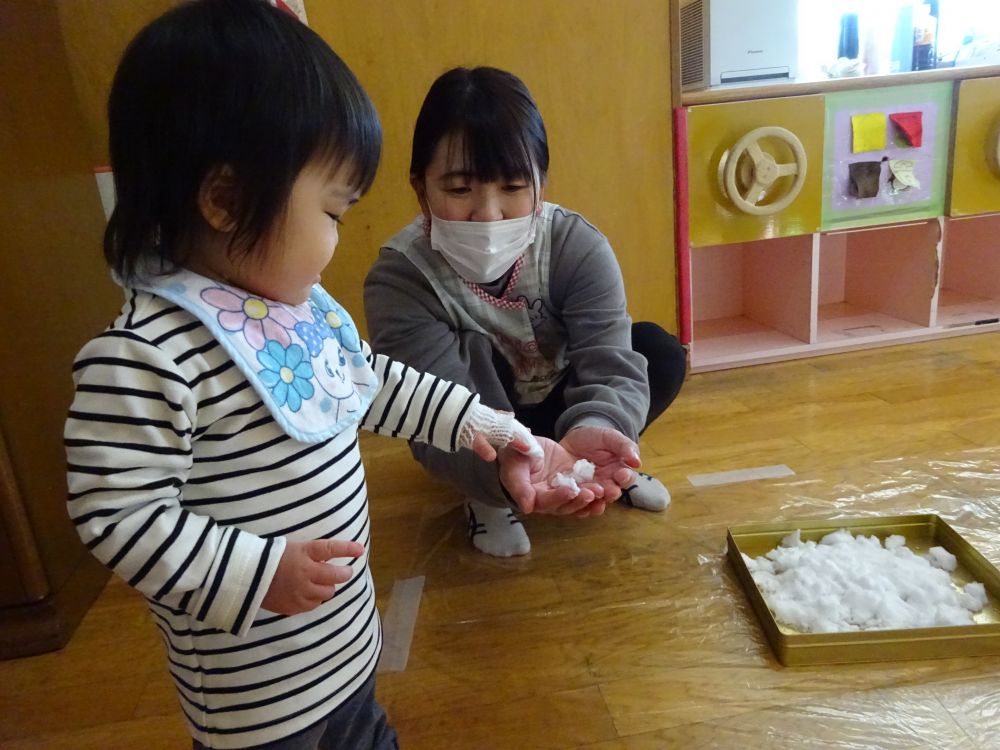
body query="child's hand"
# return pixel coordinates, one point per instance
(614, 456)
(304, 579)
(487, 429)
(529, 482)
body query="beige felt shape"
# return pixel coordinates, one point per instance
(764, 170)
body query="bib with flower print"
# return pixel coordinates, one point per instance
(305, 361)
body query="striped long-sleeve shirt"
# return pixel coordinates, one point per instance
(182, 482)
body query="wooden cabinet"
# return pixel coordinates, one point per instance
(55, 294)
(847, 264)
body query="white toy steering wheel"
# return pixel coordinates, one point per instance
(763, 171)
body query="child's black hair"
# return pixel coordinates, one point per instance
(235, 83)
(494, 115)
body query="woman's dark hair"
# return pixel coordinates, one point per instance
(234, 83)
(494, 116)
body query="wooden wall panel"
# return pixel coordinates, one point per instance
(95, 33)
(54, 291)
(600, 72)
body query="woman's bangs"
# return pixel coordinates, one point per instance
(493, 151)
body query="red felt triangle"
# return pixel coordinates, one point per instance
(911, 125)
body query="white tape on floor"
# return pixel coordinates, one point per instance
(398, 623)
(741, 475)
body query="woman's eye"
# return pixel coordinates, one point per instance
(460, 190)
(514, 187)
(335, 217)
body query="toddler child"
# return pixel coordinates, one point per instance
(212, 443)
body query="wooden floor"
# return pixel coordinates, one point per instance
(629, 631)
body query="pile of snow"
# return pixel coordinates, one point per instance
(848, 583)
(583, 471)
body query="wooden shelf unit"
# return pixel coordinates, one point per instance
(800, 296)
(764, 288)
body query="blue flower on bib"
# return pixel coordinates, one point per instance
(287, 373)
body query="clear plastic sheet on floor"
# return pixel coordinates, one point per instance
(729, 675)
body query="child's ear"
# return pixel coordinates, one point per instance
(217, 198)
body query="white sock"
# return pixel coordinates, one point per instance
(647, 493)
(496, 531)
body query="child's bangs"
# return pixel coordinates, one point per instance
(351, 135)
(359, 152)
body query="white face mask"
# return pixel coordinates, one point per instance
(481, 251)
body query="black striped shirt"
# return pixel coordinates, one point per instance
(182, 483)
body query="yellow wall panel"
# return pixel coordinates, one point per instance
(600, 73)
(975, 177)
(713, 129)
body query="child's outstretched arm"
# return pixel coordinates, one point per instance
(418, 406)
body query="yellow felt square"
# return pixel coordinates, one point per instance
(869, 132)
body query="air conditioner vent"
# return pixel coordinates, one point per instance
(694, 52)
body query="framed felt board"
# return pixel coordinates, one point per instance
(886, 155)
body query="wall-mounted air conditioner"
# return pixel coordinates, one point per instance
(730, 41)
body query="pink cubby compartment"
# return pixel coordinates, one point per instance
(877, 285)
(752, 302)
(970, 276)
(791, 297)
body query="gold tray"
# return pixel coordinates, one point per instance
(921, 532)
